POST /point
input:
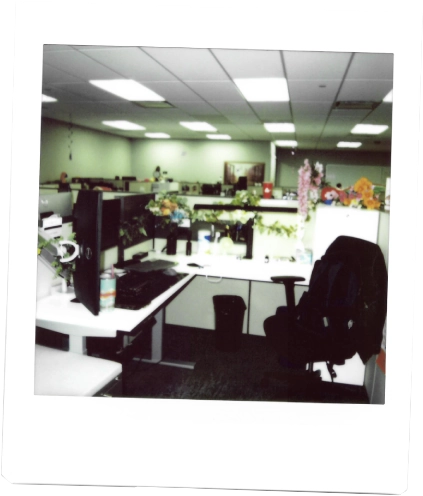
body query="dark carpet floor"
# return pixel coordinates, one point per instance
(223, 375)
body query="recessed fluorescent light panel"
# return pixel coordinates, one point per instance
(388, 97)
(125, 125)
(47, 99)
(368, 129)
(198, 126)
(279, 127)
(156, 135)
(348, 144)
(127, 89)
(264, 89)
(219, 136)
(286, 143)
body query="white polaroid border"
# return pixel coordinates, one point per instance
(207, 444)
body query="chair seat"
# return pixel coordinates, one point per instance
(301, 346)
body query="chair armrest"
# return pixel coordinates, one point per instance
(287, 279)
(289, 282)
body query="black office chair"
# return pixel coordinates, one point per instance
(342, 313)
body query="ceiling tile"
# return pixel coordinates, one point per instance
(245, 119)
(52, 75)
(313, 90)
(64, 93)
(371, 66)
(88, 91)
(56, 48)
(381, 115)
(365, 90)
(217, 91)
(315, 65)
(197, 108)
(250, 63)
(174, 91)
(189, 64)
(129, 62)
(233, 108)
(75, 62)
(273, 111)
(303, 110)
(255, 131)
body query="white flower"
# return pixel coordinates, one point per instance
(319, 167)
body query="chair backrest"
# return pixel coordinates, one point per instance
(347, 298)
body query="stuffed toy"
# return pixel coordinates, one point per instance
(329, 194)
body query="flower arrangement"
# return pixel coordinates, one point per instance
(363, 194)
(171, 207)
(310, 180)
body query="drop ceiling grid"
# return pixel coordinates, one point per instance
(76, 62)
(130, 62)
(189, 64)
(310, 90)
(371, 66)
(315, 65)
(365, 90)
(198, 82)
(250, 63)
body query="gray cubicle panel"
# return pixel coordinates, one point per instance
(56, 203)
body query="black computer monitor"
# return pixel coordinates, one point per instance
(96, 227)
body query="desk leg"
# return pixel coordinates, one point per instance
(156, 346)
(77, 344)
(156, 339)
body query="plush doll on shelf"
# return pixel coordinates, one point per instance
(329, 195)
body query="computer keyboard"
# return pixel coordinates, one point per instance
(135, 289)
(150, 265)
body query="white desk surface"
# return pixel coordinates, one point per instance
(234, 268)
(61, 373)
(56, 312)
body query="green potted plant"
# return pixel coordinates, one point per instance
(62, 268)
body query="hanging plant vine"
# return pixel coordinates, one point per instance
(172, 207)
(70, 136)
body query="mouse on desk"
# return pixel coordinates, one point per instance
(170, 272)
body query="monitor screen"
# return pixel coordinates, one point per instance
(88, 227)
(56, 203)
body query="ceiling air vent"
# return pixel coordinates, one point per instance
(154, 105)
(355, 105)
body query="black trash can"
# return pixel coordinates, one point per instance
(229, 318)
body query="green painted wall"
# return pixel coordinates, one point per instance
(94, 154)
(343, 167)
(192, 161)
(97, 154)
